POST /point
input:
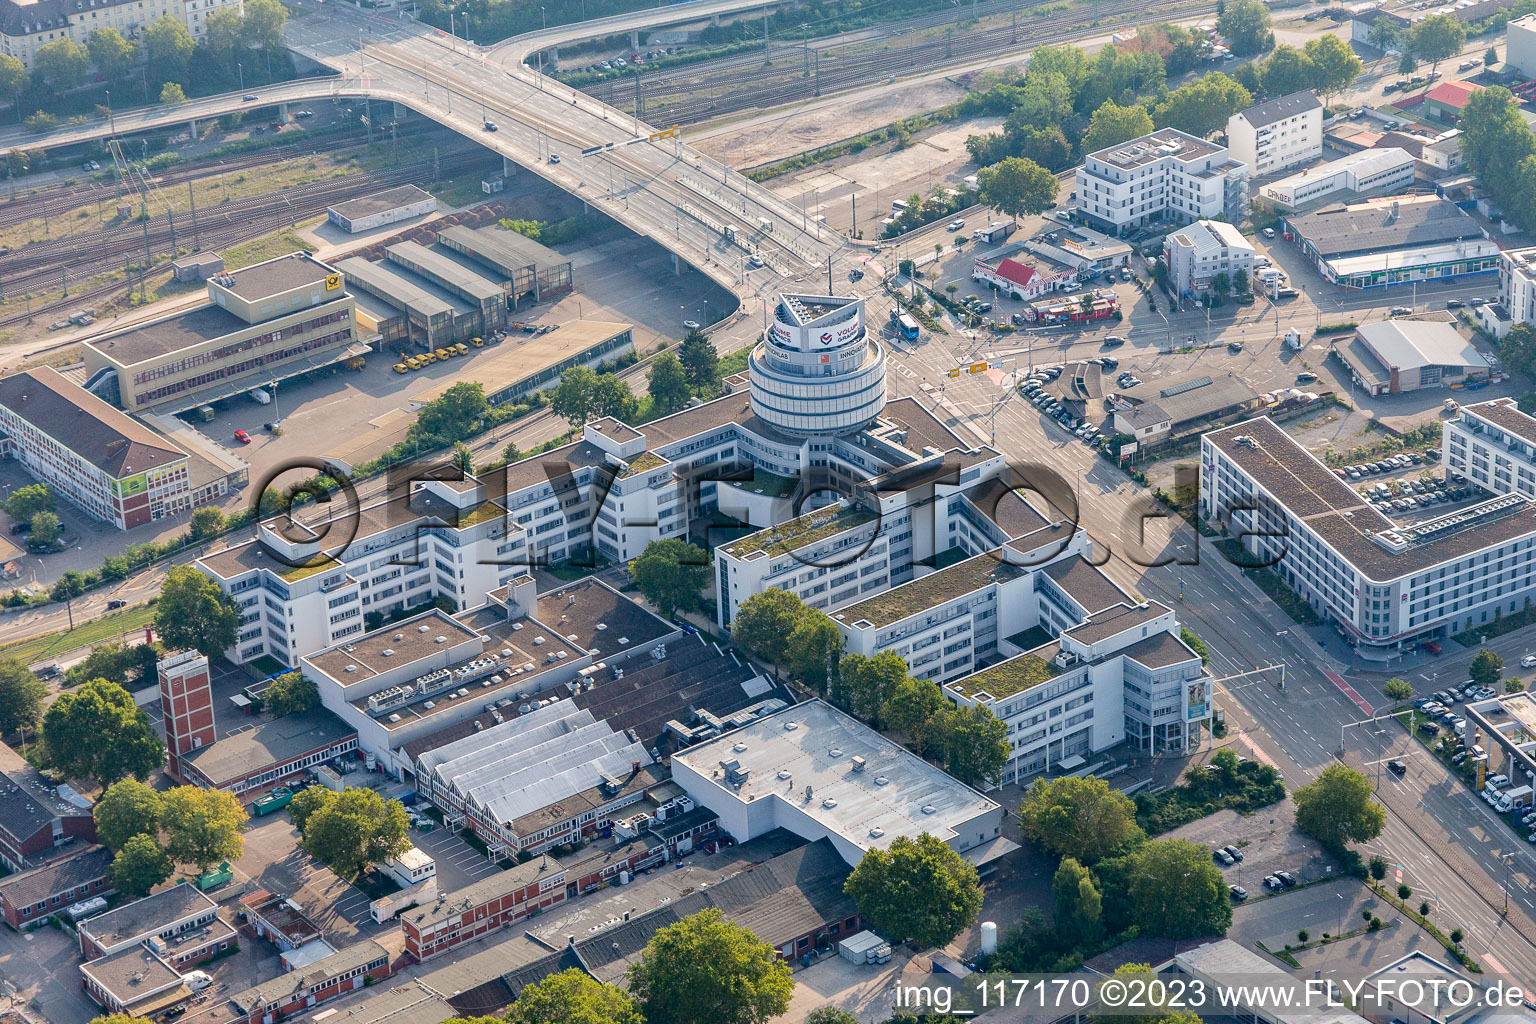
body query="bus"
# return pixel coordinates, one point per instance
(906, 327)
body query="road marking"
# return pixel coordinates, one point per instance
(1349, 691)
(1494, 963)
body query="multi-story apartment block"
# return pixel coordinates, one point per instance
(26, 27)
(1493, 444)
(1277, 133)
(110, 465)
(1517, 292)
(1195, 255)
(1387, 586)
(1168, 175)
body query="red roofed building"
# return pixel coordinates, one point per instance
(1022, 276)
(1445, 101)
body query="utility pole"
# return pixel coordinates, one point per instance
(171, 216)
(197, 242)
(368, 118)
(818, 73)
(853, 229)
(1015, 24)
(434, 165)
(765, 37)
(807, 72)
(148, 260)
(64, 281)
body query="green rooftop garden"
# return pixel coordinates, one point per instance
(294, 573)
(797, 533)
(486, 510)
(644, 463)
(933, 589)
(1008, 677)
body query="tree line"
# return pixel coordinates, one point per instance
(164, 63)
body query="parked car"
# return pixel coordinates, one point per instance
(1238, 892)
(692, 325)
(242, 437)
(1273, 882)
(1222, 857)
(1306, 377)
(1113, 341)
(1286, 878)
(1233, 852)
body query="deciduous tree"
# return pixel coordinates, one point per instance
(572, 997)
(1204, 105)
(916, 889)
(21, 697)
(1112, 124)
(113, 55)
(813, 648)
(764, 621)
(46, 528)
(452, 416)
(1246, 26)
(1082, 818)
(26, 502)
(1017, 186)
(291, 693)
(913, 709)
(668, 383)
(1437, 37)
(707, 970)
(975, 745)
(1078, 903)
(1286, 70)
(13, 76)
(1397, 689)
(1176, 892)
(138, 867)
(871, 683)
(207, 521)
(194, 614)
(1334, 65)
(1486, 668)
(353, 829)
(202, 826)
(96, 732)
(671, 573)
(168, 46)
(128, 808)
(1337, 809)
(62, 64)
(262, 25)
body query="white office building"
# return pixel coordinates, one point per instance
(816, 772)
(1493, 444)
(1277, 134)
(1168, 175)
(1521, 52)
(1388, 586)
(818, 371)
(1197, 254)
(1368, 171)
(1517, 289)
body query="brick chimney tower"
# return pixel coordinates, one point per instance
(186, 700)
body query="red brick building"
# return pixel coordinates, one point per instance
(346, 970)
(186, 695)
(484, 907)
(32, 897)
(34, 820)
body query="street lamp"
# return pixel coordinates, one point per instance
(544, 17)
(110, 115)
(241, 69)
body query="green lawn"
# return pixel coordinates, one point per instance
(108, 627)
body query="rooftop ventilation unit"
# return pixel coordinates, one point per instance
(423, 628)
(835, 752)
(439, 639)
(881, 780)
(387, 652)
(791, 726)
(876, 832)
(858, 763)
(829, 803)
(929, 809)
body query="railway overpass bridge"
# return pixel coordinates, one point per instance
(710, 218)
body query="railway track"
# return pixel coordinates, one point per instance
(739, 82)
(54, 199)
(219, 227)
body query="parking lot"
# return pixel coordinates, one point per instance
(458, 863)
(1268, 841)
